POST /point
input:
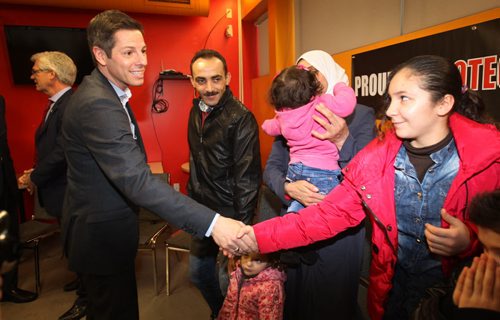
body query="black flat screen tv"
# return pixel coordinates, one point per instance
(24, 41)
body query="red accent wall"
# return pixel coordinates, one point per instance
(250, 59)
(171, 40)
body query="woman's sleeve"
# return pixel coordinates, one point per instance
(361, 124)
(276, 168)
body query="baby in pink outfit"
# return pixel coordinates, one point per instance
(295, 92)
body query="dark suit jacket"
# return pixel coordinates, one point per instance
(9, 195)
(50, 170)
(107, 178)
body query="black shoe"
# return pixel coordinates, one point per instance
(73, 285)
(77, 311)
(17, 295)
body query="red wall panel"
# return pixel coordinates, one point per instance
(171, 40)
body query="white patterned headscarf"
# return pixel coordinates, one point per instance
(324, 63)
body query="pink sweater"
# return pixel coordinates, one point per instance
(259, 298)
(296, 126)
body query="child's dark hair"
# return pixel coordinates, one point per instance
(294, 87)
(440, 76)
(273, 259)
(484, 210)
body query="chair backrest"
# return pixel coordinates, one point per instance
(149, 231)
(163, 176)
(39, 213)
(41, 225)
(151, 226)
(179, 239)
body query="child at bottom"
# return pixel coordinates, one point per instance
(294, 93)
(256, 290)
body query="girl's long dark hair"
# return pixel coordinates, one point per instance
(440, 77)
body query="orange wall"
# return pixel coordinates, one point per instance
(261, 85)
(281, 54)
(171, 40)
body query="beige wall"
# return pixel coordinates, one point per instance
(336, 26)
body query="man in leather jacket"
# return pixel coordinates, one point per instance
(225, 170)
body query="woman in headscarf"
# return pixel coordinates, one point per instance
(322, 279)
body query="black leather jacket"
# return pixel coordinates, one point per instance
(225, 167)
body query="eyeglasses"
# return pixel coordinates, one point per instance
(36, 71)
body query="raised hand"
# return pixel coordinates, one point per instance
(447, 241)
(226, 234)
(304, 192)
(479, 285)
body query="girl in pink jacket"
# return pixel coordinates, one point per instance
(295, 93)
(415, 185)
(256, 290)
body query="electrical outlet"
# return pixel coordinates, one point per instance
(229, 31)
(176, 187)
(229, 13)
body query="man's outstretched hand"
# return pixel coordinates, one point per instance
(228, 234)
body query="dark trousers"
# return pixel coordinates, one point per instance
(10, 279)
(112, 297)
(407, 291)
(326, 288)
(81, 293)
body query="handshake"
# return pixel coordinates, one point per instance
(234, 237)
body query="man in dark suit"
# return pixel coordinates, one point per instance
(53, 73)
(108, 177)
(9, 201)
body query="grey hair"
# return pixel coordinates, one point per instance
(59, 62)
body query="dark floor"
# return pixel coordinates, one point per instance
(185, 301)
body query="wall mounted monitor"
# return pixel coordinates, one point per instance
(24, 41)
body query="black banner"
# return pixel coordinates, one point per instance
(475, 50)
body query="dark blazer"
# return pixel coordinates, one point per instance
(9, 194)
(49, 174)
(107, 178)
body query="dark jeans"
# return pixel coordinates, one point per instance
(324, 180)
(407, 291)
(204, 275)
